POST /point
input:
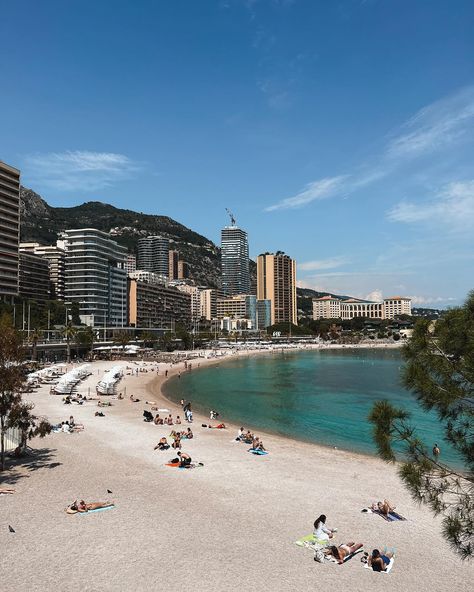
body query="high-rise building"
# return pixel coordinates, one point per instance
(195, 295)
(34, 279)
(183, 270)
(173, 258)
(9, 229)
(56, 257)
(276, 281)
(240, 306)
(95, 277)
(130, 263)
(235, 261)
(153, 254)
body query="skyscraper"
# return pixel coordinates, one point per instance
(276, 281)
(173, 264)
(95, 277)
(9, 229)
(153, 254)
(235, 261)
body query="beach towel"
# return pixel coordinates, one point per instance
(309, 541)
(392, 516)
(172, 464)
(258, 452)
(71, 511)
(388, 570)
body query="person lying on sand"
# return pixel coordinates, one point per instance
(6, 490)
(343, 551)
(133, 399)
(162, 444)
(184, 459)
(384, 507)
(379, 562)
(82, 506)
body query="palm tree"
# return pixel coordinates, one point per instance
(35, 336)
(69, 332)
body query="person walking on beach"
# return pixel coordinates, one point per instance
(436, 451)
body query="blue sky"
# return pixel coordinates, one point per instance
(341, 132)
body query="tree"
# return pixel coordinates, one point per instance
(86, 337)
(35, 336)
(69, 332)
(148, 338)
(14, 412)
(440, 371)
(122, 338)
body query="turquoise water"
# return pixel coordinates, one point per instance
(317, 396)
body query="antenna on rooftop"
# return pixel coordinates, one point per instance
(231, 216)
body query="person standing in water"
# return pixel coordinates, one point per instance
(436, 451)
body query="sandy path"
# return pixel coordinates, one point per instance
(228, 525)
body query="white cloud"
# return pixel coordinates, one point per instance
(375, 296)
(422, 300)
(435, 126)
(321, 189)
(322, 264)
(453, 206)
(78, 170)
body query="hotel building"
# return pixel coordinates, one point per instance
(95, 277)
(330, 307)
(9, 229)
(235, 261)
(276, 281)
(153, 254)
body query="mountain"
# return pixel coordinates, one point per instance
(41, 223)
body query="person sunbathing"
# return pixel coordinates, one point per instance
(169, 420)
(189, 434)
(379, 562)
(82, 506)
(343, 551)
(384, 507)
(178, 420)
(184, 459)
(158, 420)
(162, 444)
(6, 490)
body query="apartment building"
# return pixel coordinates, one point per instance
(276, 281)
(9, 230)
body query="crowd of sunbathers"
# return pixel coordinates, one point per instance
(176, 438)
(248, 438)
(322, 536)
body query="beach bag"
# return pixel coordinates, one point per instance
(319, 556)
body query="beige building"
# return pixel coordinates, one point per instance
(183, 270)
(329, 307)
(276, 281)
(9, 229)
(194, 294)
(208, 303)
(157, 306)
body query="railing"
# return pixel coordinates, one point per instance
(12, 439)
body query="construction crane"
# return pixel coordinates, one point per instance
(231, 216)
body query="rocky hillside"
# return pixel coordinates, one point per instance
(41, 222)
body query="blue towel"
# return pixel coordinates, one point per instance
(96, 510)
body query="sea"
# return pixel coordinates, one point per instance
(319, 396)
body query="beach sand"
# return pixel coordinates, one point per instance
(225, 526)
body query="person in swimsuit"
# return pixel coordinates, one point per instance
(83, 507)
(184, 459)
(343, 551)
(384, 507)
(379, 562)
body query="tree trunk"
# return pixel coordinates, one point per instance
(2, 438)
(68, 346)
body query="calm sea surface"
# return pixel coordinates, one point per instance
(317, 396)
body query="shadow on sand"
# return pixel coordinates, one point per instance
(33, 460)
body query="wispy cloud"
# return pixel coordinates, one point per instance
(331, 263)
(431, 300)
(78, 170)
(321, 189)
(435, 128)
(453, 206)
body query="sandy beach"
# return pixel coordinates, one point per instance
(227, 525)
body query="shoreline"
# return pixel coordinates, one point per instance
(172, 373)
